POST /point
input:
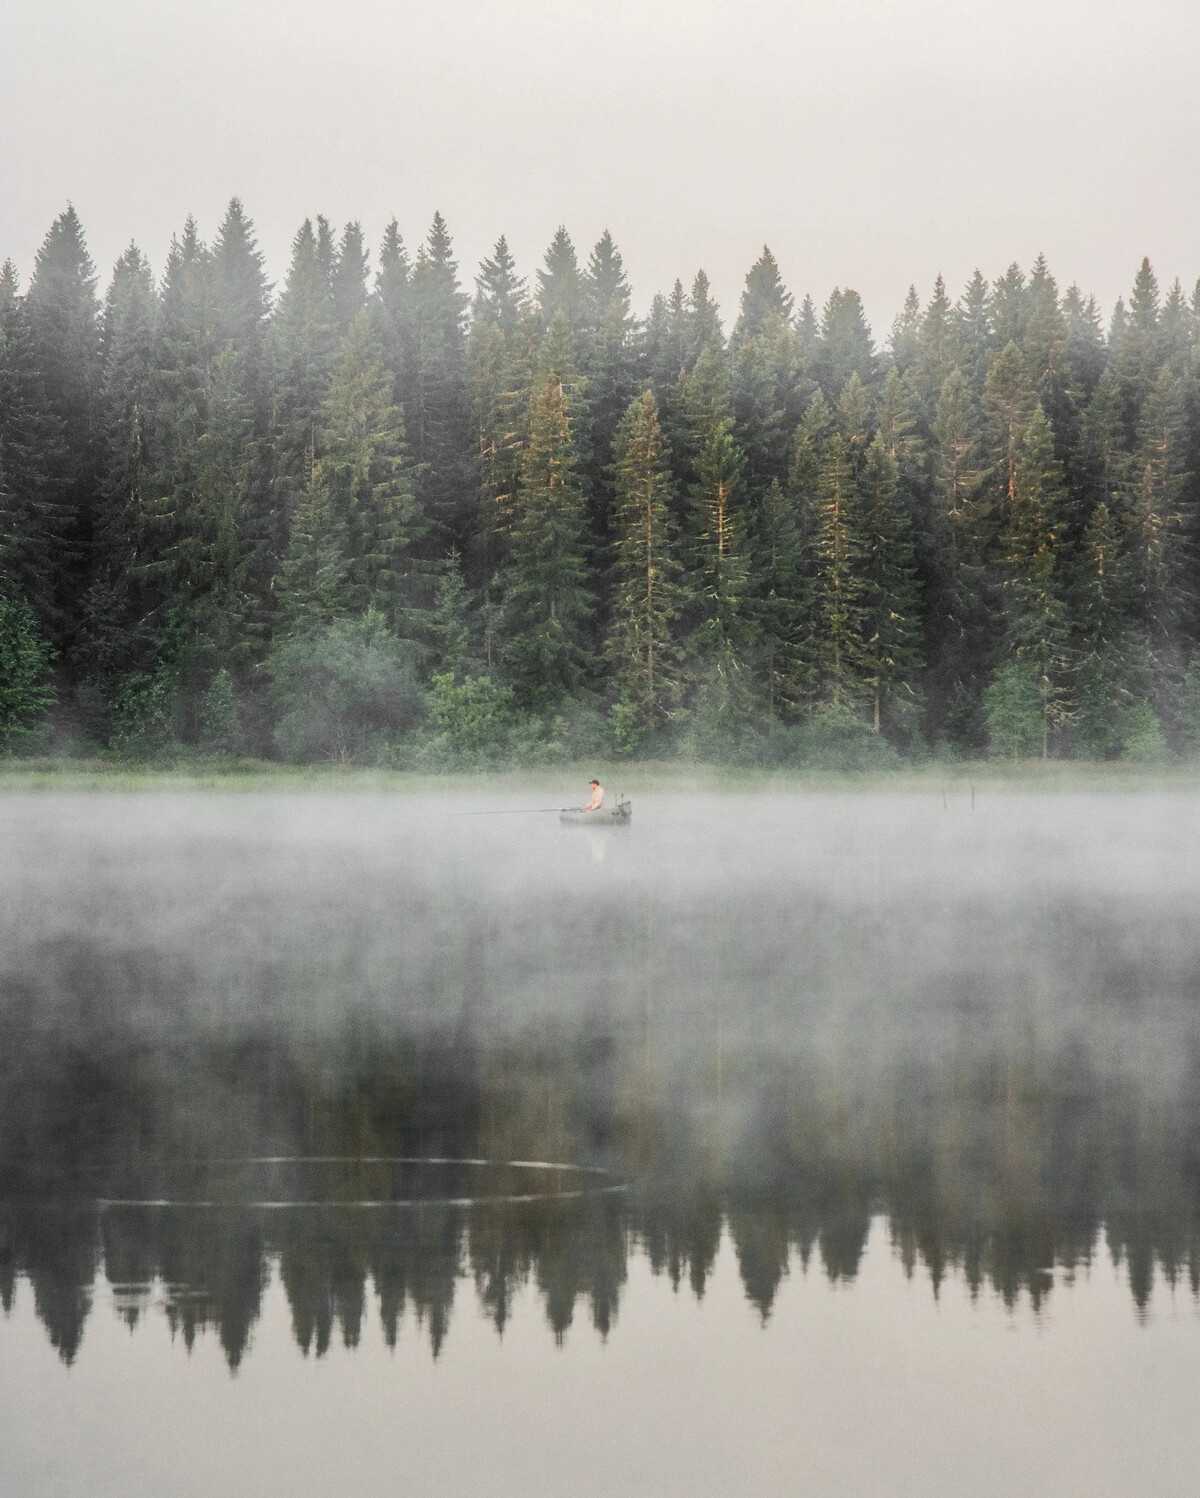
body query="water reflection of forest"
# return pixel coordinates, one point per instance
(998, 1162)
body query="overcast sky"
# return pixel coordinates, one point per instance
(871, 143)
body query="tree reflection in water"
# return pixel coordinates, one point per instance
(999, 1163)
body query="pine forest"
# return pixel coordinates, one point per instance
(374, 515)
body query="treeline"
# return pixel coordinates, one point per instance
(375, 518)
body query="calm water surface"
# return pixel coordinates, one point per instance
(829, 1144)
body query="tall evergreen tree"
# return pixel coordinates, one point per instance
(891, 627)
(560, 284)
(435, 401)
(349, 282)
(844, 346)
(838, 619)
(32, 521)
(1036, 633)
(546, 600)
(123, 589)
(501, 358)
(63, 321)
(355, 527)
(647, 598)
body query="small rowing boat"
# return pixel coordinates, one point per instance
(620, 815)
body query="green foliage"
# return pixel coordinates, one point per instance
(346, 691)
(192, 479)
(835, 738)
(647, 598)
(1144, 739)
(1188, 711)
(26, 690)
(217, 715)
(1013, 706)
(546, 600)
(148, 711)
(474, 718)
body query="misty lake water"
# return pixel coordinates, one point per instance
(820, 1143)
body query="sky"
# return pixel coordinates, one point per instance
(870, 143)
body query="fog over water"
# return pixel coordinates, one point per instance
(889, 1096)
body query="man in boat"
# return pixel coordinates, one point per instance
(597, 800)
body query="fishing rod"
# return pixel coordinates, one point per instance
(521, 811)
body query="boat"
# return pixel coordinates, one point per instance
(620, 815)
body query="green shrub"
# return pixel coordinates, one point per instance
(26, 690)
(836, 738)
(344, 692)
(1142, 738)
(473, 717)
(147, 712)
(217, 714)
(1012, 705)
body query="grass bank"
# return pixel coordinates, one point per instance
(216, 773)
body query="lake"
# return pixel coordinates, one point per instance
(827, 1143)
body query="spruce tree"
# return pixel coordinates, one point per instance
(501, 356)
(719, 575)
(891, 623)
(642, 647)
(560, 285)
(64, 332)
(1113, 675)
(123, 589)
(609, 358)
(1036, 633)
(349, 282)
(782, 599)
(546, 601)
(355, 527)
(32, 519)
(435, 400)
(844, 346)
(838, 619)
(300, 349)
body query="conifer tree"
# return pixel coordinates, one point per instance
(838, 619)
(1113, 674)
(391, 310)
(356, 525)
(501, 357)
(435, 401)
(937, 350)
(1159, 526)
(975, 334)
(958, 599)
(301, 344)
(1009, 397)
(766, 302)
(647, 598)
(891, 624)
(782, 599)
(610, 368)
(560, 286)
(904, 343)
(844, 346)
(32, 522)
(122, 589)
(1008, 309)
(1036, 622)
(766, 393)
(64, 334)
(720, 572)
(546, 601)
(349, 281)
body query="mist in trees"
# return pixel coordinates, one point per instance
(519, 520)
